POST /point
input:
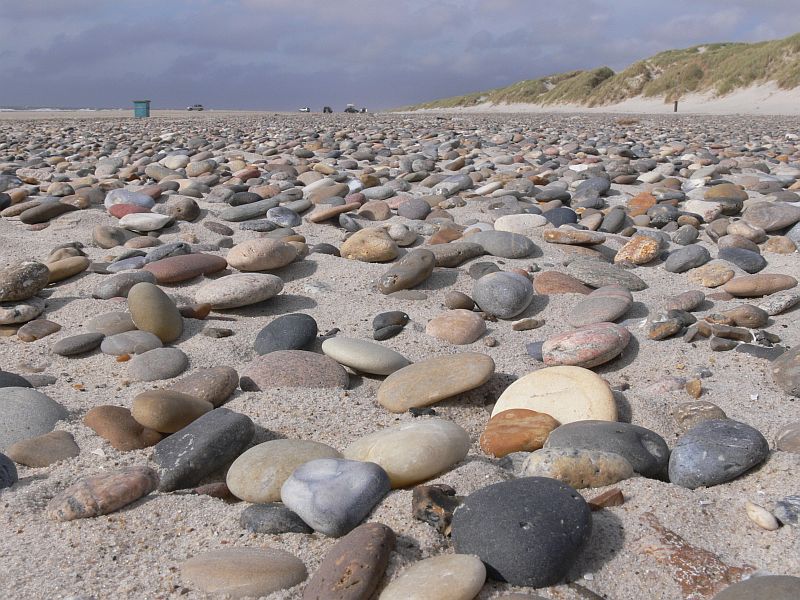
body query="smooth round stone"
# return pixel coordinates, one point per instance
(780, 244)
(459, 327)
(571, 236)
(415, 209)
(565, 393)
(688, 257)
(786, 371)
(453, 254)
(645, 450)
(157, 364)
(26, 413)
(175, 269)
(598, 274)
(761, 284)
(715, 452)
(334, 495)
(748, 315)
(258, 474)
(120, 284)
(689, 414)
(180, 208)
(8, 472)
(214, 385)
(13, 380)
(77, 344)
(788, 438)
(711, 275)
(21, 311)
(553, 282)
(587, 346)
(364, 356)
(516, 430)
(293, 369)
(766, 587)
(44, 450)
(262, 254)
(560, 216)
(369, 245)
(122, 196)
(45, 211)
(445, 577)
(170, 251)
(577, 467)
(503, 243)
(746, 260)
(482, 269)
(167, 411)
(67, 267)
(771, 216)
(111, 323)
(434, 379)
(411, 270)
(120, 210)
(686, 301)
(503, 294)
(272, 518)
(458, 300)
(152, 310)
(287, 332)
(134, 262)
(243, 289)
(145, 221)
(117, 426)
(37, 329)
(243, 572)
(354, 566)
(111, 237)
(130, 342)
(605, 304)
(528, 531)
(525, 224)
(413, 451)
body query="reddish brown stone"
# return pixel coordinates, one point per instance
(325, 212)
(117, 426)
(188, 266)
(612, 497)
(120, 210)
(553, 282)
(639, 251)
(639, 204)
(444, 236)
(516, 430)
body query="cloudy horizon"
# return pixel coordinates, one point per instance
(281, 54)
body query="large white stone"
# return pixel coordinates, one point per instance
(364, 356)
(240, 289)
(144, 221)
(444, 577)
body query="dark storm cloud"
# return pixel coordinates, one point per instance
(281, 54)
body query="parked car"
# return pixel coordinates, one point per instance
(327, 109)
(195, 107)
(351, 108)
(305, 109)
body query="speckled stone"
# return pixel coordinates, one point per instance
(22, 280)
(293, 369)
(160, 363)
(586, 346)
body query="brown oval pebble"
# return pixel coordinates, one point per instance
(587, 346)
(369, 245)
(152, 310)
(604, 304)
(43, 450)
(167, 411)
(553, 282)
(116, 425)
(174, 269)
(457, 327)
(761, 284)
(687, 301)
(263, 254)
(780, 244)
(102, 494)
(67, 267)
(294, 369)
(516, 430)
(325, 212)
(747, 315)
(639, 251)
(214, 385)
(711, 275)
(414, 268)
(454, 300)
(354, 566)
(37, 329)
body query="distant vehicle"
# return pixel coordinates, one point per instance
(305, 109)
(363, 109)
(351, 108)
(327, 109)
(195, 107)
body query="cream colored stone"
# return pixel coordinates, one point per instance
(364, 356)
(761, 516)
(444, 577)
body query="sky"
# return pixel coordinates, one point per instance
(284, 54)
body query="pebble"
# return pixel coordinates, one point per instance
(102, 494)
(130, 342)
(503, 244)
(22, 280)
(293, 369)
(263, 254)
(77, 344)
(746, 260)
(145, 222)
(774, 587)
(209, 443)
(788, 438)
(786, 371)
(364, 356)
(787, 510)
(43, 450)
(771, 216)
(714, 452)
(570, 235)
(598, 274)
(152, 310)
(334, 495)
(370, 245)
(412, 452)
(504, 295)
(688, 257)
(243, 572)
(587, 346)
(779, 303)
(111, 323)
(434, 379)
(528, 532)
(167, 411)
(21, 311)
(447, 576)
(761, 516)
(565, 393)
(8, 472)
(689, 414)
(711, 275)
(640, 250)
(553, 282)
(258, 474)
(13, 380)
(459, 327)
(234, 291)
(37, 329)
(604, 304)
(411, 270)
(117, 426)
(272, 518)
(175, 269)
(287, 332)
(214, 385)
(66, 268)
(453, 254)
(761, 284)
(26, 413)
(578, 468)
(157, 364)
(516, 430)
(120, 284)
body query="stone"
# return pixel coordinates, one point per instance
(369, 245)
(102, 494)
(66, 268)
(788, 438)
(130, 342)
(778, 303)
(272, 518)
(234, 291)
(598, 274)
(13, 380)
(120, 284)
(364, 356)
(604, 304)
(262, 254)
(565, 393)
(352, 569)
(111, 237)
(123, 196)
(762, 284)
(458, 301)
(412, 452)
(22, 280)
(454, 254)
(411, 270)
(21, 311)
(586, 346)
(152, 310)
(780, 244)
(481, 269)
(774, 587)
(714, 452)
(761, 516)
(26, 413)
(117, 426)
(37, 329)
(207, 444)
(711, 275)
(787, 510)
(503, 244)
(748, 315)
(44, 450)
(292, 368)
(516, 430)
(560, 216)
(748, 261)
(167, 411)
(214, 385)
(502, 294)
(570, 235)
(450, 576)
(771, 216)
(160, 363)
(243, 572)
(685, 301)
(258, 474)
(578, 468)
(434, 379)
(175, 269)
(188, 267)
(645, 450)
(609, 498)
(553, 282)
(786, 371)
(528, 532)
(287, 332)
(145, 221)
(8, 472)
(77, 344)
(640, 250)
(689, 414)
(459, 327)
(523, 224)
(688, 257)
(110, 323)
(434, 505)
(334, 495)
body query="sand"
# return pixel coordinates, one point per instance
(134, 553)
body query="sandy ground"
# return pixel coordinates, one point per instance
(134, 553)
